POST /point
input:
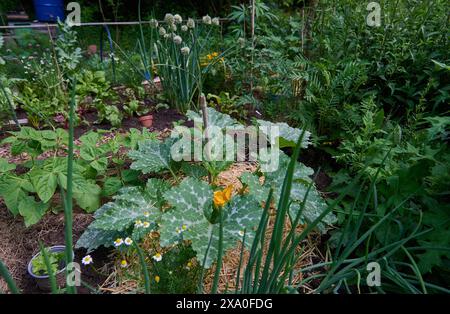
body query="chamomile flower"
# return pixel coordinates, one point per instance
(190, 23)
(241, 233)
(207, 20)
(118, 242)
(157, 279)
(87, 260)
(146, 224)
(189, 265)
(157, 257)
(128, 241)
(123, 264)
(146, 214)
(184, 227)
(185, 51)
(138, 223)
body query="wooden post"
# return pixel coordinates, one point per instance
(205, 126)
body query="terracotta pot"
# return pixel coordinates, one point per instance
(146, 121)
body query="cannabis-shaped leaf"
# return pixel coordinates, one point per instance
(189, 219)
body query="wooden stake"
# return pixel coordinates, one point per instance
(205, 126)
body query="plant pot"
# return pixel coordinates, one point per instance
(146, 121)
(43, 281)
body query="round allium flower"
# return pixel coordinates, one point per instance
(118, 242)
(157, 257)
(177, 40)
(216, 21)
(190, 23)
(185, 51)
(87, 260)
(169, 18)
(173, 27)
(162, 31)
(123, 263)
(178, 19)
(166, 36)
(207, 20)
(128, 241)
(184, 28)
(154, 23)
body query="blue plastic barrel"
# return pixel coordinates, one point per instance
(49, 10)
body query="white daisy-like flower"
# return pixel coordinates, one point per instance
(169, 18)
(215, 21)
(177, 18)
(207, 20)
(146, 224)
(162, 31)
(146, 214)
(190, 23)
(154, 23)
(123, 263)
(241, 233)
(87, 260)
(184, 227)
(185, 51)
(128, 241)
(157, 257)
(177, 40)
(184, 28)
(138, 223)
(178, 230)
(118, 242)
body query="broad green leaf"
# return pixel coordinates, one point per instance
(287, 136)
(44, 182)
(131, 204)
(100, 164)
(111, 186)
(88, 197)
(215, 118)
(14, 189)
(31, 210)
(192, 200)
(152, 156)
(92, 238)
(5, 166)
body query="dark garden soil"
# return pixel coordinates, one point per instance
(19, 244)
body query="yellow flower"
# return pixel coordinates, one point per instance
(215, 54)
(157, 279)
(223, 197)
(123, 264)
